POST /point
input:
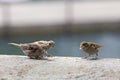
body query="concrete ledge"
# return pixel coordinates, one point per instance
(13, 67)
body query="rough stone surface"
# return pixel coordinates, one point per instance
(58, 68)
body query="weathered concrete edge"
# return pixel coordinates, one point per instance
(53, 57)
(18, 67)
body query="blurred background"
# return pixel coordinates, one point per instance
(67, 22)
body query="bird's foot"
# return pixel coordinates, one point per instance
(49, 55)
(40, 57)
(36, 57)
(93, 58)
(85, 57)
(89, 58)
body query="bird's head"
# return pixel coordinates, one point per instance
(51, 43)
(84, 45)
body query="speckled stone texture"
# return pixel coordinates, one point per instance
(15, 67)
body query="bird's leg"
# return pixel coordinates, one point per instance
(48, 55)
(31, 57)
(86, 56)
(37, 57)
(40, 57)
(96, 56)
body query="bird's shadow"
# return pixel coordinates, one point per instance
(46, 59)
(94, 59)
(91, 58)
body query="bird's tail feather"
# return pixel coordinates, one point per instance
(14, 44)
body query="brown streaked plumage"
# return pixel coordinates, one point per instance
(90, 48)
(36, 50)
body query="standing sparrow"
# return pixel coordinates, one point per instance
(90, 48)
(36, 50)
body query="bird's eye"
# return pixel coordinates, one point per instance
(50, 43)
(85, 44)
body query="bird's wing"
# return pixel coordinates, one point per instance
(96, 45)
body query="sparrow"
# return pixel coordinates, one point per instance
(36, 50)
(90, 48)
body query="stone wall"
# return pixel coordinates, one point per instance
(58, 68)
